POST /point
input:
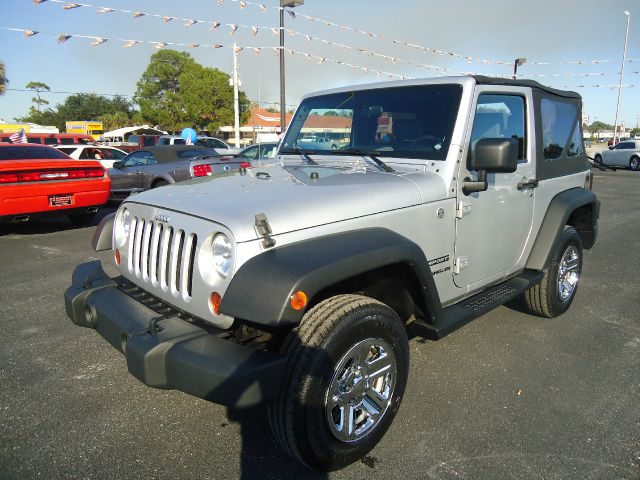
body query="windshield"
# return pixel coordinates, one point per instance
(400, 122)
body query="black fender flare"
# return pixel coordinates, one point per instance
(103, 236)
(261, 289)
(560, 209)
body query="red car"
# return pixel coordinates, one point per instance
(41, 180)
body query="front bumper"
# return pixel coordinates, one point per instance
(165, 351)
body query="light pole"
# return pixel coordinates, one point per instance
(518, 63)
(283, 107)
(624, 59)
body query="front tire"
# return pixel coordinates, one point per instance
(347, 369)
(555, 293)
(634, 164)
(598, 159)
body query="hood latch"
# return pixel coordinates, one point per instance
(264, 230)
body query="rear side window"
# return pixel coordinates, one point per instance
(558, 121)
(65, 141)
(575, 148)
(68, 151)
(30, 153)
(51, 141)
(35, 140)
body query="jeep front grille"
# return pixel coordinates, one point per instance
(162, 255)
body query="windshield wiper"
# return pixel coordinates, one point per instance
(302, 153)
(376, 160)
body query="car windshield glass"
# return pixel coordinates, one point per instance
(401, 122)
(30, 153)
(200, 152)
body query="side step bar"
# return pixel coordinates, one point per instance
(455, 316)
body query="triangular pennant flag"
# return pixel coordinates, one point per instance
(217, 45)
(263, 7)
(214, 25)
(138, 14)
(105, 10)
(242, 5)
(158, 45)
(194, 45)
(98, 41)
(233, 29)
(29, 33)
(257, 50)
(130, 43)
(69, 6)
(292, 13)
(38, 2)
(63, 37)
(190, 22)
(167, 19)
(254, 31)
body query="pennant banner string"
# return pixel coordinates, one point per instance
(128, 43)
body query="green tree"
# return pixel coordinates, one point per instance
(158, 92)
(208, 99)
(80, 106)
(176, 92)
(112, 121)
(38, 87)
(3, 79)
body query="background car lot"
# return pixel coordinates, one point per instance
(507, 396)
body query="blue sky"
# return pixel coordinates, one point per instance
(553, 32)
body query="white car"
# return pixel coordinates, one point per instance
(107, 156)
(625, 154)
(211, 142)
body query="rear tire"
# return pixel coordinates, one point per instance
(82, 218)
(347, 368)
(555, 293)
(634, 164)
(160, 183)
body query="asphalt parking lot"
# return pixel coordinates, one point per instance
(508, 396)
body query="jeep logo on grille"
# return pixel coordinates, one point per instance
(162, 218)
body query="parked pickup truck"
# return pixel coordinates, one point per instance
(297, 284)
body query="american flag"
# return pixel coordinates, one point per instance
(19, 137)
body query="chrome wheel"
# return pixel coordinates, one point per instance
(634, 164)
(568, 273)
(361, 389)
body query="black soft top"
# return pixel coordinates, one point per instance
(482, 80)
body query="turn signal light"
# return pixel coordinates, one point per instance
(245, 165)
(298, 300)
(214, 302)
(117, 256)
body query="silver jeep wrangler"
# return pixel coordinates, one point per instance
(297, 284)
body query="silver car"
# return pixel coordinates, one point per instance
(157, 166)
(625, 154)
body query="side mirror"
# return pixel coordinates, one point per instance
(118, 165)
(491, 155)
(611, 147)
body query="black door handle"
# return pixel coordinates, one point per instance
(527, 185)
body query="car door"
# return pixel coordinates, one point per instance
(128, 178)
(492, 227)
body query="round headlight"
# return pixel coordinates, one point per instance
(123, 226)
(222, 254)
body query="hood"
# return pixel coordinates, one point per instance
(293, 197)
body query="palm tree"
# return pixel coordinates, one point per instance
(3, 80)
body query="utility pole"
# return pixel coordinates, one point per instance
(624, 60)
(236, 103)
(283, 104)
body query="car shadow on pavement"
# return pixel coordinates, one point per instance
(261, 456)
(40, 226)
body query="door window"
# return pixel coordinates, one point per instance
(138, 158)
(500, 116)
